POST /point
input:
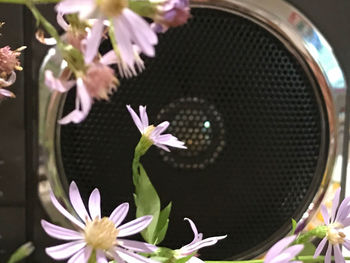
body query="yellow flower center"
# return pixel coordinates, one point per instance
(101, 233)
(149, 130)
(112, 8)
(333, 235)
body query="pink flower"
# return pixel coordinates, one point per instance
(281, 253)
(104, 235)
(97, 83)
(335, 224)
(172, 13)
(197, 243)
(154, 134)
(9, 61)
(129, 28)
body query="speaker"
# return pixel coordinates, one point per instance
(253, 89)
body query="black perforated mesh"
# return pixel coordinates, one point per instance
(249, 116)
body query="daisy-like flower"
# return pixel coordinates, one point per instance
(8, 64)
(197, 243)
(154, 134)
(104, 235)
(336, 222)
(97, 83)
(129, 28)
(281, 253)
(172, 13)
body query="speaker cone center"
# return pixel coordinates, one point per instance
(200, 125)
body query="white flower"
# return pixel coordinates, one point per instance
(197, 243)
(154, 134)
(104, 235)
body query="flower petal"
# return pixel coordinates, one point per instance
(278, 247)
(335, 204)
(64, 212)
(134, 226)
(75, 116)
(82, 256)
(135, 118)
(143, 116)
(60, 232)
(119, 214)
(194, 260)
(100, 256)
(84, 97)
(338, 255)
(56, 84)
(77, 202)
(95, 204)
(142, 34)
(5, 83)
(197, 236)
(84, 8)
(346, 244)
(203, 243)
(65, 250)
(162, 147)
(294, 250)
(123, 38)
(93, 41)
(109, 58)
(7, 93)
(160, 128)
(324, 212)
(320, 247)
(137, 246)
(60, 20)
(343, 210)
(133, 257)
(327, 258)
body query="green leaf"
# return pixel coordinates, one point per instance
(143, 8)
(185, 259)
(163, 222)
(294, 226)
(309, 250)
(21, 253)
(147, 203)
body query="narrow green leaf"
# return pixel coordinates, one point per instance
(185, 259)
(309, 250)
(163, 223)
(147, 203)
(21, 253)
(294, 226)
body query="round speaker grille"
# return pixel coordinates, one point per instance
(249, 114)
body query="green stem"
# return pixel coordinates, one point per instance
(319, 232)
(301, 258)
(43, 21)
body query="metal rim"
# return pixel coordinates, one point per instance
(286, 23)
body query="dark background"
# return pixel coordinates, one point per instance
(20, 209)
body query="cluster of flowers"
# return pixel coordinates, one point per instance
(95, 238)
(103, 236)
(89, 21)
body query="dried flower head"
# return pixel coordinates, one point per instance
(100, 81)
(9, 61)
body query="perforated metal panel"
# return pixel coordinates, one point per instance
(249, 114)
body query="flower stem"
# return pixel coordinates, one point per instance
(42, 20)
(301, 258)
